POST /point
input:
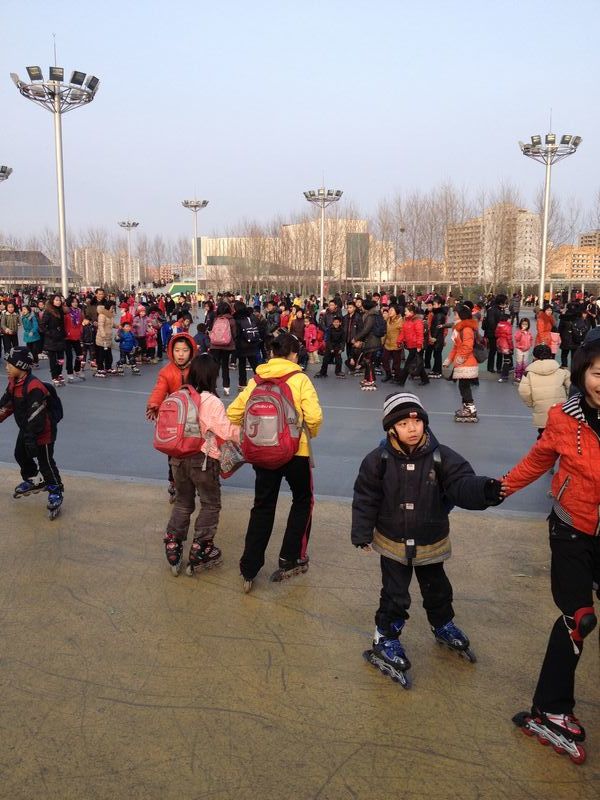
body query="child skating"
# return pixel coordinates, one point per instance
(402, 497)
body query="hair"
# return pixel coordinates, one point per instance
(25, 306)
(525, 319)
(410, 307)
(299, 310)
(369, 304)
(542, 352)
(504, 317)
(71, 298)
(285, 343)
(56, 311)
(201, 327)
(582, 360)
(337, 318)
(203, 373)
(464, 312)
(239, 306)
(223, 308)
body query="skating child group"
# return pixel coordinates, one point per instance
(406, 486)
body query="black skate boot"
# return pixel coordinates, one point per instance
(27, 487)
(287, 569)
(173, 552)
(468, 413)
(203, 555)
(452, 637)
(388, 654)
(135, 370)
(562, 731)
(55, 499)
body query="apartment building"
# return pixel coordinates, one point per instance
(99, 268)
(590, 239)
(577, 264)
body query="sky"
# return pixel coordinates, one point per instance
(247, 103)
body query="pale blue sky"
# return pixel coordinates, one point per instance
(248, 103)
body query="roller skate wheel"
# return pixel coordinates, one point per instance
(469, 655)
(176, 568)
(580, 758)
(542, 741)
(246, 586)
(189, 571)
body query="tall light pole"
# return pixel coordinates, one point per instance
(5, 173)
(58, 97)
(548, 153)
(322, 198)
(195, 206)
(129, 226)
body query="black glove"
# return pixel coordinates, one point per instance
(491, 491)
(31, 448)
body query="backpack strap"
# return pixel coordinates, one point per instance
(383, 462)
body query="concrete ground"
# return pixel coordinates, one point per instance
(120, 681)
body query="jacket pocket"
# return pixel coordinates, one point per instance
(563, 488)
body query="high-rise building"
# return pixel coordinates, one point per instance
(99, 268)
(500, 246)
(577, 264)
(590, 239)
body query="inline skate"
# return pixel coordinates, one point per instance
(388, 654)
(562, 731)
(452, 637)
(55, 499)
(287, 569)
(28, 487)
(173, 552)
(203, 555)
(468, 413)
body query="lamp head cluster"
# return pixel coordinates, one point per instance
(5, 173)
(323, 197)
(549, 150)
(78, 91)
(128, 224)
(194, 205)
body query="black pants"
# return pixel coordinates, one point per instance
(297, 473)
(334, 356)
(434, 350)
(494, 363)
(141, 343)
(410, 359)
(575, 566)
(253, 361)
(514, 315)
(46, 464)
(126, 358)
(464, 387)
(88, 352)
(506, 364)
(73, 348)
(564, 355)
(104, 359)
(395, 357)
(10, 340)
(35, 348)
(436, 591)
(54, 357)
(222, 359)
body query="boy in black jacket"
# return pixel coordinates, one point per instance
(334, 346)
(28, 399)
(402, 497)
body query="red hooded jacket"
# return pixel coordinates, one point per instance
(171, 377)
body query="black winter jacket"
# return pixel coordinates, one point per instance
(352, 325)
(404, 499)
(371, 342)
(335, 339)
(52, 327)
(243, 347)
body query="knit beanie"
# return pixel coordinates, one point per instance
(401, 405)
(21, 358)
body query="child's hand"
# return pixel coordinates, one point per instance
(151, 414)
(364, 548)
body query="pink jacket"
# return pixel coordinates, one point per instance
(215, 426)
(523, 340)
(310, 338)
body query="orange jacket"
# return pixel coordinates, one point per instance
(576, 485)
(544, 328)
(464, 342)
(171, 377)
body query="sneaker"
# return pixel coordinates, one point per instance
(502, 380)
(58, 382)
(435, 375)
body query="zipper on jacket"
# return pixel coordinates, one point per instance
(563, 487)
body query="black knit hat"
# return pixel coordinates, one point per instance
(401, 405)
(21, 358)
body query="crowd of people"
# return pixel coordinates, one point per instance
(405, 487)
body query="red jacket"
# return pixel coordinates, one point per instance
(504, 337)
(171, 377)
(72, 328)
(412, 333)
(544, 327)
(576, 485)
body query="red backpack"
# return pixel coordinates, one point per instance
(271, 431)
(177, 432)
(220, 333)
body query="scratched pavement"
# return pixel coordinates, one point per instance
(119, 681)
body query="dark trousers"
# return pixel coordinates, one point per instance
(126, 358)
(192, 478)
(44, 455)
(506, 364)
(222, 359)
(334, 356)
(410, 359)
(88, 352)
(141, 343)
(297, 473)
(73, 348)
(10, 340)
(564, 355)
(35, 348)
(434, 350)
(514, 315)
(436, 591)
(55, 359)
(253, 361)
(575, 567)
(392, 362)
(464, 387)
(494, 363)
(367, 360)
(104, 359)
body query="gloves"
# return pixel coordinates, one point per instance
(492, 491)
(31, 448)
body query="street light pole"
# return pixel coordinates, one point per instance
(129, 225)
(548, 153)
(5, 173)
(323, 197)
(58, 97)
(195, 206)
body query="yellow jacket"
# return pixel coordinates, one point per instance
(394, 326)
(305, 397)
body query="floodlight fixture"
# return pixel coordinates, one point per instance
(129, 226)
(195, 206)
(35, 73)
(58, 97)
(5, 173)
(549, 153)
(322, 198)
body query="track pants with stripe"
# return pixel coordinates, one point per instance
(44, 457)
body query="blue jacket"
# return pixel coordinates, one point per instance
(31, 329)
(127, 341)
